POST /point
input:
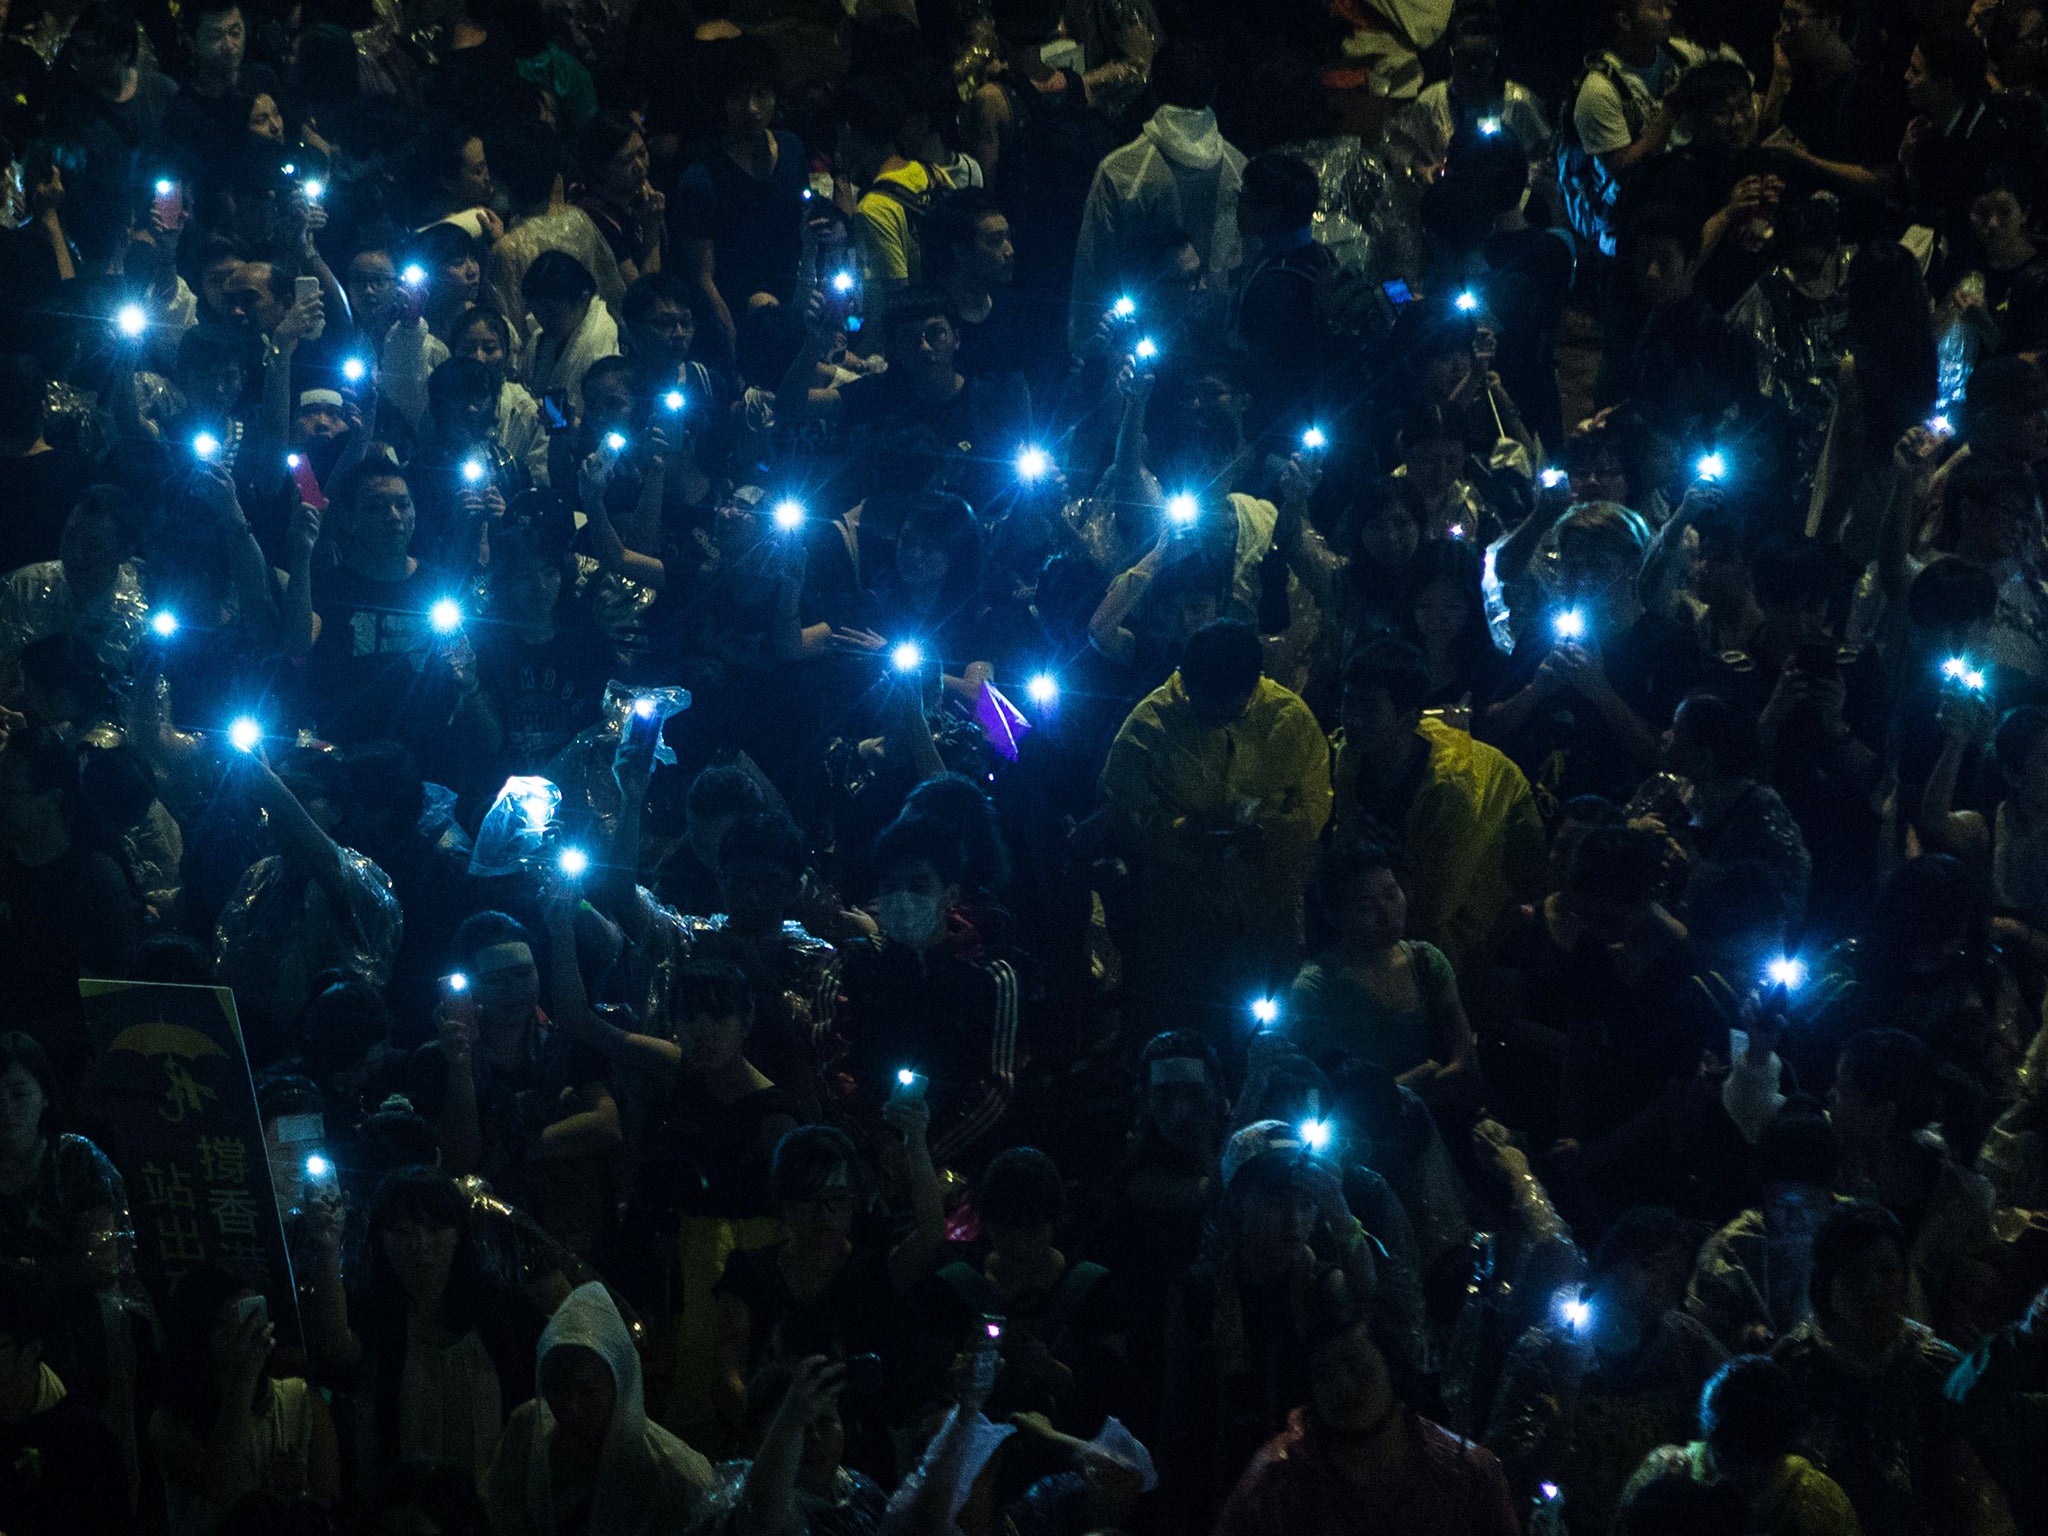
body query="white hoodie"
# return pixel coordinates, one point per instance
(1178, 173)
(649, 1480)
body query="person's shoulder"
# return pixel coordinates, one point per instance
(1428, 959)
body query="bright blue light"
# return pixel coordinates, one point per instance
(1033, 464)
(573, 862)
(673, 400)
(1043, 689)
(1314, 438)
(131, 320)
(1787, 971)
(1712, 466)
(788, 515)
(1265, 1010)
(1124, 307)
(317, 1167)
(245, 733)
(1315, 1134)
(1570, 624)
(353, 369)
(1466, 302)
(164, 622)
(206, 445)
(907, 657)
(445, 616)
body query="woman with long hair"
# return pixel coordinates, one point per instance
(1445, 617)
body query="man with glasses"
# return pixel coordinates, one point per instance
(1619, 119)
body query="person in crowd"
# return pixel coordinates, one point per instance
(1714, 748)
(1749, 1420)
(568, 327)
(581, 1451)
(55, 1454)
(1750, 1285)
(792, 1476)
(1619, 118)
(1997, 1391)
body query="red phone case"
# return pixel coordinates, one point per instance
(309, 485)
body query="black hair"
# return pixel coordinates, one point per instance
(1893, 342)
(1646, 1237)
(910, 309)
(805, 1160)
(23, 1050)
(1027, 21)
(341, 1023)
(482, 314)
(434, 159)
(1677, 1504)
(1729, 735)
(648, 290)
(1978, 480)
(723, 790)
(1852, 1229)
(1222, 660)
(1341, 864)
(1707, 83)
(712, 987)
(1394, 665)
(1021, 1187)
(426, 1197)
(1794, 572)
(873, 108)
(1892, 1067)
(525, 160)
(921, 839)
(558, 277)
(481, 930)
(1662, 221)
(456, 379)
(603, 137)
(1749, 1412)
(1732, 899)
(1952, 53)
(726, 66)
(350, 484)
(1283, 184)
(1949, 594)
(2018, 734)
(1185, 73)
(191, 1381)
(1617, 863)
(952, 224)
(963, 806)
(1798, 1147)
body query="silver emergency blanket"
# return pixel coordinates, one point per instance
(280, 929)
(583, 769)
(1357, 215)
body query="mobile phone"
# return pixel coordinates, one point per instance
(458, 997)
(296, 1129)
(251, 1306)
(168, 204)
(864, 1376)
(551, 409)
(909, 1088)
(1063, 53)
(986, 1364)
(1816, 658)
(1397, 292)
(304, 290)
(307, 482)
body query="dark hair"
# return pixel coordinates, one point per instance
(433, 160)
(1725, 733)
(1676, 1504)
(1617, 863)
(723, 790)
(805, 1160)
(525, 160)
(1283, 184)
(457, 379)
(1707, 84)
(921, 839)
(603, 137)
(1021, 1187)
(1794, 572)
(648, 290)
(446, 1494)
(557, 277)
(1662, 221)
(191, 1383)
(1852, 1229)
(712, 987)
(1949, 594)
(1798, 1147)
(873, 108)
(952, 224)
(1890, 329)
(1952, 53)
(341, 1023)
(426, 1197)
(768, 835)
(1978, 480)
(910, 309)
(481, 930)
(1341, 864)
(1027, 21)
(2018, 734)
(1926, 897)
(1185, 73)
(961, 805)
(1394, 665)
(1222, 660)
(18, 1049)
(727, 66)
(1892, 1067)
(480, 314)
(1749, 1411)
(350, 484)
(1645, 1237)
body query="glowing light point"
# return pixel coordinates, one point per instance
(1712, 466)
(616, 441)
(445, 616)
(165, 186)
(292, 461)
(1265, 1010)
(164, 623)
(1146, 349)
(1456, 530)
(907, 657)
(1314, 438)
(1549, 1490)
(1183, 508)
(1787, 971)
(905, 1076)
(473, 470)
(353, 369)
(458, 982)
(1551, 479)
(1315, 1134)
(644, 708)
(1974, 681)
(1569, 625)
(673, 400)
(314, 188)
(317, 1167)
(1578, 1312)
(1466, 302)
(413, 275)
(1043, 689)
(788, 515)
(573, 862)
(1124, 307)
(842, 282)
(1489, 126)
(1940, 425)
(1033, 463)
(206, 445)
(244, 734)
(130, 320)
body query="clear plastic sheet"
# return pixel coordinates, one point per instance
(515, 831)
(1356, 213)
(280, 929)
(583, 769)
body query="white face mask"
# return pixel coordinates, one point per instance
(908, 917)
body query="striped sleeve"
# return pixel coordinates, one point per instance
(981, 1116)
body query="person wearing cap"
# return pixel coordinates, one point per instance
(1358, 1443)
(1288, 1253)
(1219, 781)
(513, 1098)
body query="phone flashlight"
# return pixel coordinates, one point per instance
(314, 188)
(1043, 689)
(1032, 464)
(317, 1167)
(164, 623)
(616, 441)
(842, 282)
(1124, 307)
(1313, 438)
(1146, 349)
(573, 862)
(1315, 1134)
(1551, 479)
(1183, 508)
(165, 186)
(473, 471)
(1466, 302)
(458, 982)
(445, 616)
(905, 1077)
(353, 369)
(788, 515)
(1787, 971)
(907, 657)
(1265, 1010)
(205, 445)
(1711, 466)
(1957, 669)
(244, 733)
(1455, 531)
(413, 275)
(644, 708)
(673, 400)
(289, 169)
(1488, 127)
(1577, 1311)
(1548, 1490)
(1940, 425)
(131, 320)
(1569, 625)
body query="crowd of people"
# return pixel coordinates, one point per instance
(1028, 769)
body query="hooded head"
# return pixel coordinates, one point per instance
(588, 1379)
